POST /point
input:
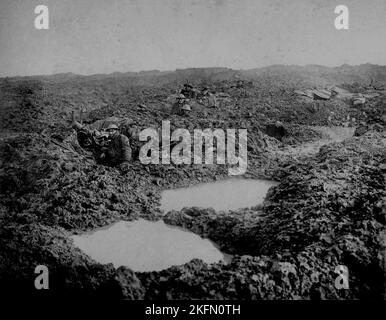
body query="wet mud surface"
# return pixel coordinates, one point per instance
(327, 210)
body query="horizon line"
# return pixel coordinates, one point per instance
(189, 68)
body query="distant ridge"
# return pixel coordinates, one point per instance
(309, 74)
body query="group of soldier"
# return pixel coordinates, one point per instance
(188, 94)
(110, 147)
(107, 145)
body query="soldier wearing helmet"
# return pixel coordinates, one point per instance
(180, 99)
(118, 151)
(185, 109)
(182, 106)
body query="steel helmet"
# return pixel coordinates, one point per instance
(112, 126)
(181, 96)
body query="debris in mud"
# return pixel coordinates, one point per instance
(328, 209)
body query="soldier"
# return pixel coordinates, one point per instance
(182, 107)
(118, 151)
(132, 132)
(178, 104)
(188, 91)
(91, 140)
(185, 110)
(209, 98)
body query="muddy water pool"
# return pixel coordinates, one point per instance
(147, 246)
(229, 194)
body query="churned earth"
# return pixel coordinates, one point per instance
(327, 210)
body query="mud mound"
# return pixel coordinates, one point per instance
(327, 211)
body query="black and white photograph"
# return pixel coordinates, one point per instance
(216, 151)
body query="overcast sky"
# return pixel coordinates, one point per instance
(103, 36)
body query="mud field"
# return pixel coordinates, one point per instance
(328, 208)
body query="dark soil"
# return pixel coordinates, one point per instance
(328, 210)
